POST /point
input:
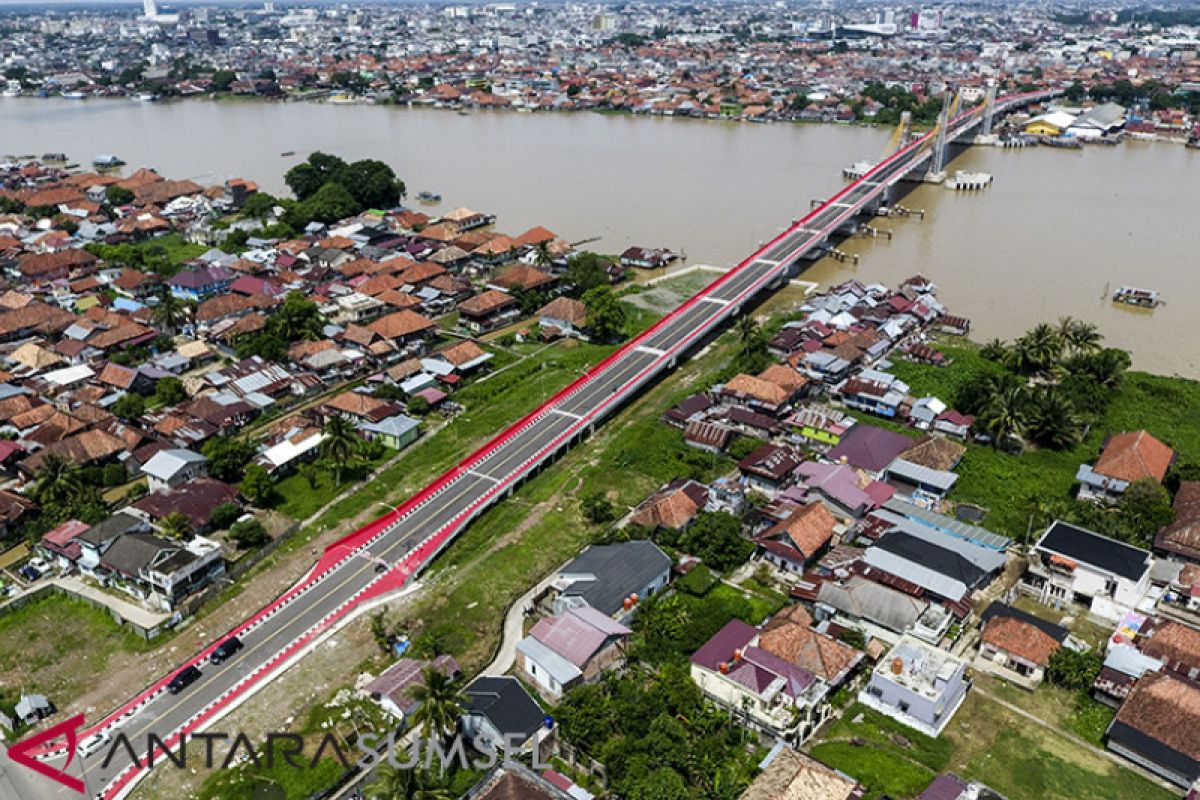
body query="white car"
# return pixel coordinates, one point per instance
(40, 564)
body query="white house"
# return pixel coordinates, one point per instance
(1075, 565)
(170, 469)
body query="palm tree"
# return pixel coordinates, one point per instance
(752, 344)
(441, 702)
(56, 482)
(995, 350)
(542, 257)
(1038, 350)
(170, 310)
(341, 442)
(394, 783)
(1079, 336)
(1054, 422)
(1004, 415)
(175, 525)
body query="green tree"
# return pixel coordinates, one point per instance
(341, 443)
(57, 482)
(597, 508)
(441, 703)
(716, 538)
(332, 202)
(228, 456)
(129, 406)
(307, 178)
(175, 525)
(395, 783)
(225, 515)
(249, 534)
(605, 314)
(1053, 421)
(1003, 415)
(169, 391)
(257, 485)
(1072, 669)
(661, 784)
(753, 355)
(259, 205)
(1079, 336)
(1038, 350)
(235, 242)
(586, 271)
(222, 79)
(372, 183)
(170, 311)
(118, 195)
(297, 318)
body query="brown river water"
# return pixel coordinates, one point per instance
(1053, 231)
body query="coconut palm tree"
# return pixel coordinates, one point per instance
(752, 344)
(1053, 420)
(1079, 336)
(542, 257)
(395, 783)
(56, 482)
(441, 702)
(1004, 415)
(170, 311)
(995, 350)
(175, 525)
(1038, 350)
(341, 442)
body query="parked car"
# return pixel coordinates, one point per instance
(29, 573)
(185, 678)
(40, 564)
(226, 649)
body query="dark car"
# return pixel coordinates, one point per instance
(226, 649)
(29, 573)
(186, 677)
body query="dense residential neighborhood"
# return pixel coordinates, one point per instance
(653, 530)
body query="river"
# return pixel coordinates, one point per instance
(1054, 230)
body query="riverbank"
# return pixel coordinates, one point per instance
(1044, 240)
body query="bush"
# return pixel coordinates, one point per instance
(249, 534)
(698, 582)
(225, 515)
(597, 508)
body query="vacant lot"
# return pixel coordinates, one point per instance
(984, 742)
(57, 646)
(1009, 485)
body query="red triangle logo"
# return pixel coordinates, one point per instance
(20, 752)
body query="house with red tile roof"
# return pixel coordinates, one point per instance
(1126, 458)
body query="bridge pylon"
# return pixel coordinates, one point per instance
(989, 109)
(937, 167)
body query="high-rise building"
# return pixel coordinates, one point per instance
(150, 8)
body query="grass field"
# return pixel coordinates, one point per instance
(1008, 485)
(57, 646)
(984, 742)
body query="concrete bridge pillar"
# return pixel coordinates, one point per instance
(938, 162)
(989, 109)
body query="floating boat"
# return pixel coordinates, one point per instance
(107, 162)
(1132, 296)
(429, 197)
(287, 153)
(73, 95)
(54, 158)
(1067, 142)
(146, 97)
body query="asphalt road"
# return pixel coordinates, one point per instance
(410, 537)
